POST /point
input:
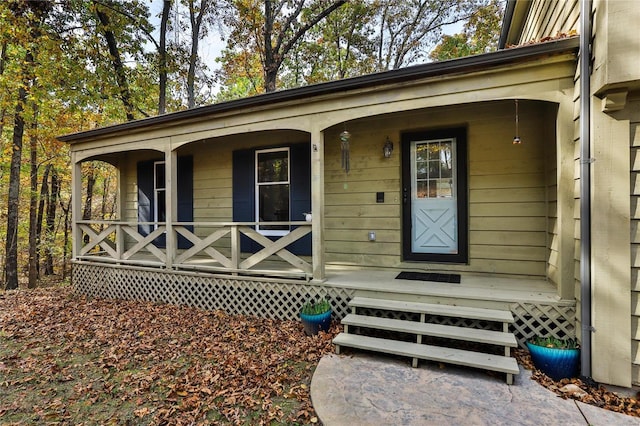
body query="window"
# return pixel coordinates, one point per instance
(152, 193)
(159, 200)
(434, 166)
(272, 190)
(278, 173)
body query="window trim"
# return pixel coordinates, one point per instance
(157, 191)
(257, 184)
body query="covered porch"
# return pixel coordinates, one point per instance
(194, 224)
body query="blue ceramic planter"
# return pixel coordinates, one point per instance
(555, 362)
(315, 323)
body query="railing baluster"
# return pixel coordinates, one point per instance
(218, 250)
(119, 241)
(235, 247)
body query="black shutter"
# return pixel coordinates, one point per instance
(185, 197)
(145, 196)
(300, 193)
(243, 182)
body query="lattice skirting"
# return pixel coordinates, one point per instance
(555, 320)
(280, 299)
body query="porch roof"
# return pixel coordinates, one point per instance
(455, 66)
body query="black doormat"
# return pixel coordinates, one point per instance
(430, 276)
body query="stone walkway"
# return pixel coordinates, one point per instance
(369, 390)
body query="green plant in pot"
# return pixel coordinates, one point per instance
(557, 358)
(316, 316)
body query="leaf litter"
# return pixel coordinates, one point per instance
(68, 359)
(581, 390)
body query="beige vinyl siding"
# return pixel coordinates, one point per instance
(576, 195)
(635, 246)
(507, 189)
(549, 18)
(511, 187)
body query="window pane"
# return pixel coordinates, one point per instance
(274, 205)
(445, 188)
(422, 189)
(159, 175)
(434, 169)
(421, 170)
(434, 150)
(273, 166)
(446, 157)
(433, 188)
(422, 152)
(162, 211)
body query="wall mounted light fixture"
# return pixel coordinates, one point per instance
(387, 149)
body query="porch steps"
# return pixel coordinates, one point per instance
(436, 330)
(448, 334)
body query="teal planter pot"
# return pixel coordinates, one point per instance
(556, 363)
(315, 323)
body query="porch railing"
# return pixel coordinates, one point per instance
(214, 246)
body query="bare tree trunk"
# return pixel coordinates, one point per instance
(196, 24)
(105, 197)
(44, 195)
(162, 98)
(3, 58)
(33, 202)
(274, 53)
(88, 201)
(116, 60)
(65, 244)
(51, 221)
(11, 246)
(270, 67)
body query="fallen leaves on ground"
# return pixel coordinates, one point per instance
(71, 359)
(575, 388)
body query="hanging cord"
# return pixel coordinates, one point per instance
(344, 139)
(516, 139)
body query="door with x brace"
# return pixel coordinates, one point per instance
(432, 198)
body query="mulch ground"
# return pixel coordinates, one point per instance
(588, 393)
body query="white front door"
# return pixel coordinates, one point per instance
(434, 204)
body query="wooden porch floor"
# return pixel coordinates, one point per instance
(472, 286)
(478, 287)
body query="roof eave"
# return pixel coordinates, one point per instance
(461, 65)
(515, 15)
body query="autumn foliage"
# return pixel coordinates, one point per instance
(73, 360)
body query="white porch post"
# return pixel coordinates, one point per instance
(171, 200)
(76, 206)
(564, 272)
(317, 203)
(122, 189)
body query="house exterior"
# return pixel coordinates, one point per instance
(612, 139)
(213, 202)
